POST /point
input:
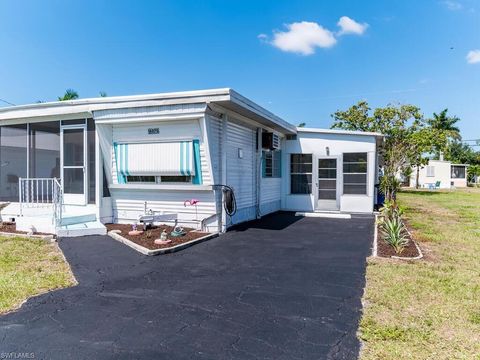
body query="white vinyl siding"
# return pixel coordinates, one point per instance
(241, 171)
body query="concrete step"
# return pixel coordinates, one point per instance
(71, 219)
(83, 229)
(39, 223)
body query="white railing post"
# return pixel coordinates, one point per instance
(20, 194)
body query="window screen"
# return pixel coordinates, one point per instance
(355, 173)
(301, 173)
(458, 172)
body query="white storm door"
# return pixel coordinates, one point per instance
(327, 184)
(74, 160)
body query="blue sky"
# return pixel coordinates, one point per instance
(290, 56)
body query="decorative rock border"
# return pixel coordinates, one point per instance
(115, 234)
(375, 246)
(50, 237)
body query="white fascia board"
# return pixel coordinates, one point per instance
(340, 132)
(89, 105)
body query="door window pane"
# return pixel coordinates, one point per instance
(327, 194)
(73, 181)
(13, 160)
(73, 147)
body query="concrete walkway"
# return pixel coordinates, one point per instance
(282, 287)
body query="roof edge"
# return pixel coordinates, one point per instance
(339, 132)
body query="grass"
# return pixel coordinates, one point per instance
(428, 309)
(29, 267)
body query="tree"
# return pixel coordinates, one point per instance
(444, 123)
(102, 94)
(399, 124)
(302, 124)
(70, 94)
(461, 153)
(473, 173)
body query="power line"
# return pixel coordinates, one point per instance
(7, 102)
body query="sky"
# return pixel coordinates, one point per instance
(302, 60)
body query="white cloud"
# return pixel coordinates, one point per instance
(350, 26)
(473, 56)
(303, 37)
(453, 5)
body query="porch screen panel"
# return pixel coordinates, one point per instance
(13, 159)
(163, 158)
(44, 140)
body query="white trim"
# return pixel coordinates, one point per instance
(338, 132)
(152, 118)
(177, 187)
(204, 129)
(324, 215)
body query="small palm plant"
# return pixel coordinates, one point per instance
(394, 233)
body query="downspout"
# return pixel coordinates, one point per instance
(223, 223)
(259, 172)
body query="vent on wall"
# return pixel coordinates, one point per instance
(270, 141)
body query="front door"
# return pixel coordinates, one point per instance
(327, 184)
(74, 171)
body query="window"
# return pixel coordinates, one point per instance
(458, 172)
(301, 173)
(271, 164)
(430, 171)
(148, 179)
(175, 179)
(141, 179)
(355, 173)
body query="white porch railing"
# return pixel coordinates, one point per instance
(41, 193)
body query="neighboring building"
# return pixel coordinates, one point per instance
(72, 166)
(440, 174)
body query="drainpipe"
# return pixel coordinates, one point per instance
(259, 172)
(223, 224)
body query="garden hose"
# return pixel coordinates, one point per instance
(229, 203)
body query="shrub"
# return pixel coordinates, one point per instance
(394, 232)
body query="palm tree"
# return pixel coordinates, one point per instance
(70, 94)
(446, 123)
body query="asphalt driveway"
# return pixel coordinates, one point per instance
(282, 287)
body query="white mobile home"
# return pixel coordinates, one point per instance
(69, 167)
(440, 174)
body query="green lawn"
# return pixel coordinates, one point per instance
(29, 267)
(428, 309)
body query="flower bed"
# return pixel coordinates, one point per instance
(147, 238)
(385, 250)
(393, 240)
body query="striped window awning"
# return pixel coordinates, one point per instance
(161, 158)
